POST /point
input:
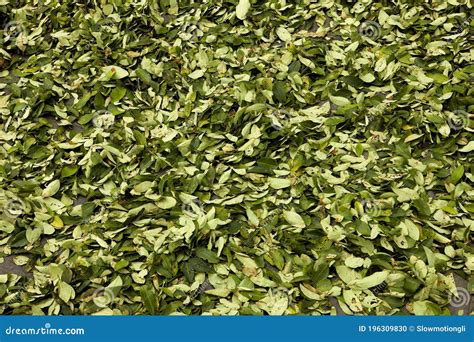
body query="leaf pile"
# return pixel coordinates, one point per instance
(236, 157)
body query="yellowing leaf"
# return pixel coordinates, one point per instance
(283, 34)
(279, 183)
(57, 222)
(114, 72)
(242, 9)
(370, 281)
(142, 187)
(468, 148)
(309, 293)
(166, 202)
(51, 189)
(196, 74)
(406, 194)
(339, 100)
(218, 292)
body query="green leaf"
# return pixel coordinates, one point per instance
(279, 183)
(69, 170)
(52, 188)
(149, 299)
(294, 218)
(33, 234)
(114, 72)
(196, 74)
(117, 94)
(121, 264)
(370, 281)
(339, 100)
(66, 291)
(346, 274)
(411, 229)
(422, 206)
(280, 91)
(219, 292)
(144, 76)
(277, 258)
(426, 308)
(406, 194)
(207, 255)
(280, 151)
(142, 187)
(457, 174)
(438, 78)
(468, 148)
